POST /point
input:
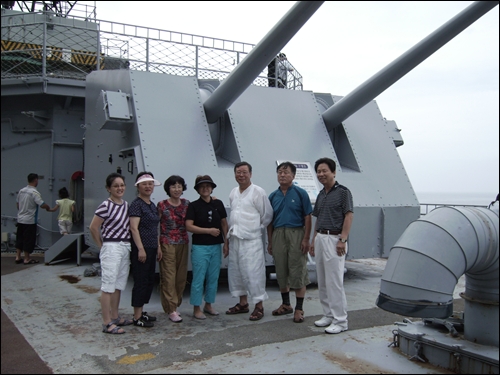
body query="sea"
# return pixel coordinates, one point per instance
(476, 199)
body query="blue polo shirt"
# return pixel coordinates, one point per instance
(290, 209)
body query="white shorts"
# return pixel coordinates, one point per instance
(115, 265)
(65, 226)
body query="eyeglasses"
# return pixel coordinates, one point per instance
(242, 173)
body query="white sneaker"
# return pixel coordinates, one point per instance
(323, 322)
(334, 328)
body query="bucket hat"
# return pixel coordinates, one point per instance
(204, 179)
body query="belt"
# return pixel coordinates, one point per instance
(326, 231)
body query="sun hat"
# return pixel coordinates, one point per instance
(204, 179)
(145, 178)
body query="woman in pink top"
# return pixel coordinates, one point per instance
(174, 242)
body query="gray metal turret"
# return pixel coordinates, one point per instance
(65, 94)
(253, 64)
(379, 82)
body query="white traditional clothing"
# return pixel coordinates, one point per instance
(251, 212)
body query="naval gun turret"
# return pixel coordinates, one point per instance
(134, 118)
(431, 255)
(253, 64)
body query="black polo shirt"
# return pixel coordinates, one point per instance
(330, 209)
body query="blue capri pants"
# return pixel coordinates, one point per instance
(206, 261)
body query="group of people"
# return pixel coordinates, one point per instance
(133, 237)
(289, 242)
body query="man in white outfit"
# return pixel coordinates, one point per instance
(251, 212)
(334, 213)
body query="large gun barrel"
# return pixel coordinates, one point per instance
(253, 64)
(377, 84)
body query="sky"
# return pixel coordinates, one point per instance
(447, 107)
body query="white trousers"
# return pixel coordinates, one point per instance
(65, 226)
(330, 274)
(247, 269)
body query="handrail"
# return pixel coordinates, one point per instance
(72, 42)
(425, 208)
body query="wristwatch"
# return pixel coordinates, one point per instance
(343, 240)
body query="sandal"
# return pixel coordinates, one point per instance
(119, 322)
(238, 309)
(283, 310)
(257, 314)
(211, 312)
(114, 331)
(32, 261)
(19, 261)
(298, 317)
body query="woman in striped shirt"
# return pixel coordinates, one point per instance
(110, 230)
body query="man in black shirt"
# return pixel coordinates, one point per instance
(334, 213)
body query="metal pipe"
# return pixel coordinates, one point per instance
(44, 52)
(432, 254)
(258, 58)
(379, 82)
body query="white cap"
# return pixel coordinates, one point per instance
(147, 177)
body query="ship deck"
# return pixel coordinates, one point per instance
(57, 311)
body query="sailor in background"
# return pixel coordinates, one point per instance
(283, 68)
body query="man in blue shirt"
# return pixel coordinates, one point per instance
(288, 237)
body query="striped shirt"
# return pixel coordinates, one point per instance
(116, 225)
(330, 209)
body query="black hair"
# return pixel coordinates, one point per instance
(241, 164)
(331, 164)
(63, 193)
(289, 165)
(112, 177)
(172, 180)
(32, 177)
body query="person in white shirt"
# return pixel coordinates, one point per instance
(283, 68)
(28, 200)
(251, 212)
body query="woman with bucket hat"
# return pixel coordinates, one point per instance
(206, 219)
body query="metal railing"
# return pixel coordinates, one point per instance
(43, 44)
(425, 208)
